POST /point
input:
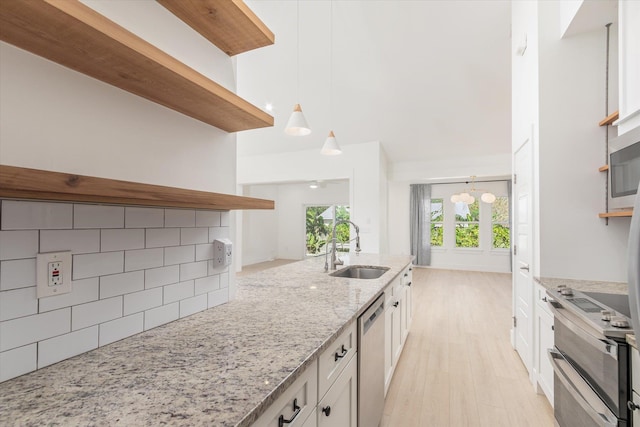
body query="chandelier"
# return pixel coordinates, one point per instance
(467, 197)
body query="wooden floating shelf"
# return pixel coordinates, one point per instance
(603, 168)
(609, 119)
(74, 35)
(229, 24)
(22, 183)
(616, 214)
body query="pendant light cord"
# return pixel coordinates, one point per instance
(331, 62)
(298, 50)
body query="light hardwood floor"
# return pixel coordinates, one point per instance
(458, 367)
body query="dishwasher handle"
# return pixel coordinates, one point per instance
(372, 314)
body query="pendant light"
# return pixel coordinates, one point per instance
(467, 198)
(331, 147)
(297, 124)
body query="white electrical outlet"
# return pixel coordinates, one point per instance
(222, 252)
(53, 274)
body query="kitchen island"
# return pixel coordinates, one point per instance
(222, 367)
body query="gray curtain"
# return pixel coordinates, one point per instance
(420, 219)
(511, 236)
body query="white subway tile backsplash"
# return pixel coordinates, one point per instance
(204, 252)
(190, 236)
(179, 254)
(161, 237)
(179, 218)
(141, 301)
(193, 270)
(218, 297)
(121, 239)
(207, 284)
(134, 268)
(193, 305)
(26, 330)
(218, 233)
(161, 276)
(98, 216)
(18, 303)
(207, 218)
(143, 258)
(85, 290)
(65, 346)
(161, 315)
(20, 215)
(92, 265)
(76, 241)
(120, 284)
(224, 280)
(225, 218)
(18, 244)
(118, 329)
(215, 268)
(17, 274)
(178, 291)
(143, 217)
(93, 313)
(18, 361)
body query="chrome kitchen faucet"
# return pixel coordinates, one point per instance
(334, 257)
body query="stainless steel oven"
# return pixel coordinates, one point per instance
(590, 359)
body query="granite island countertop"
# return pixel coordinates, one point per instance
(584, 285)
(221, 367)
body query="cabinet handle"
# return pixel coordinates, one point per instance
(327, 410)
(544, 299)
(395, 304)
(632, 406)
(296, 408)
(340, 356)
(409, 284)
(406, 274)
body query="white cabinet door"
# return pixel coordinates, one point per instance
(339, 407)
(396, 322)
(388, 339)
(312, 421)
(545, 342)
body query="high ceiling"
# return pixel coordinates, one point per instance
(430, 80)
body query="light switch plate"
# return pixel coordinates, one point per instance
(53, 273)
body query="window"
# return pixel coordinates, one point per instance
(319, 225)
(500, 223)
(468, 225)
(437, 218)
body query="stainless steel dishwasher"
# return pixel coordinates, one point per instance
(371, 365)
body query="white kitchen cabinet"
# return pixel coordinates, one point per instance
(407, 311)
(396, 321)
(388, 347)
(302, 394)
(312, 421)
(339, 407)
(333, 360)
(544, 341)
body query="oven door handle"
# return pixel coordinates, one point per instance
(581, 391)
(604, 345)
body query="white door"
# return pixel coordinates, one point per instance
(522, 270)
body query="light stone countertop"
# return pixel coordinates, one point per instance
(220, 367)
(584, 285)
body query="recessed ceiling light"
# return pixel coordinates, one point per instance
(268, 106)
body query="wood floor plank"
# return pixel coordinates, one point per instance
(458, 367)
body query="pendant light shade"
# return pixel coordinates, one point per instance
(297, 124)
(488, 197)
(331, 147)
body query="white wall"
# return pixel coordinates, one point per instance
(260, 228)
(629, 70)
(574, 242)
(360, 163)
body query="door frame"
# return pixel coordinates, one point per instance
(527, 144)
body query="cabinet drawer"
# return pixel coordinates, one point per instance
(333, 360)
(304, 391)
(541, 297)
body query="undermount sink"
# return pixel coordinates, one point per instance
(360, 272)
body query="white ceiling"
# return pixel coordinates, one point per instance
(428, 79)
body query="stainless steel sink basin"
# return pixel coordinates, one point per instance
(360, 272)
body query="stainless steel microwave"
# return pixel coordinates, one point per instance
(624, 169)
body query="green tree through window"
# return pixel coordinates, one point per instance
(437, 219)
(500, 223)
(468, 225)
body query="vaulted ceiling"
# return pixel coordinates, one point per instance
(428, 79)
